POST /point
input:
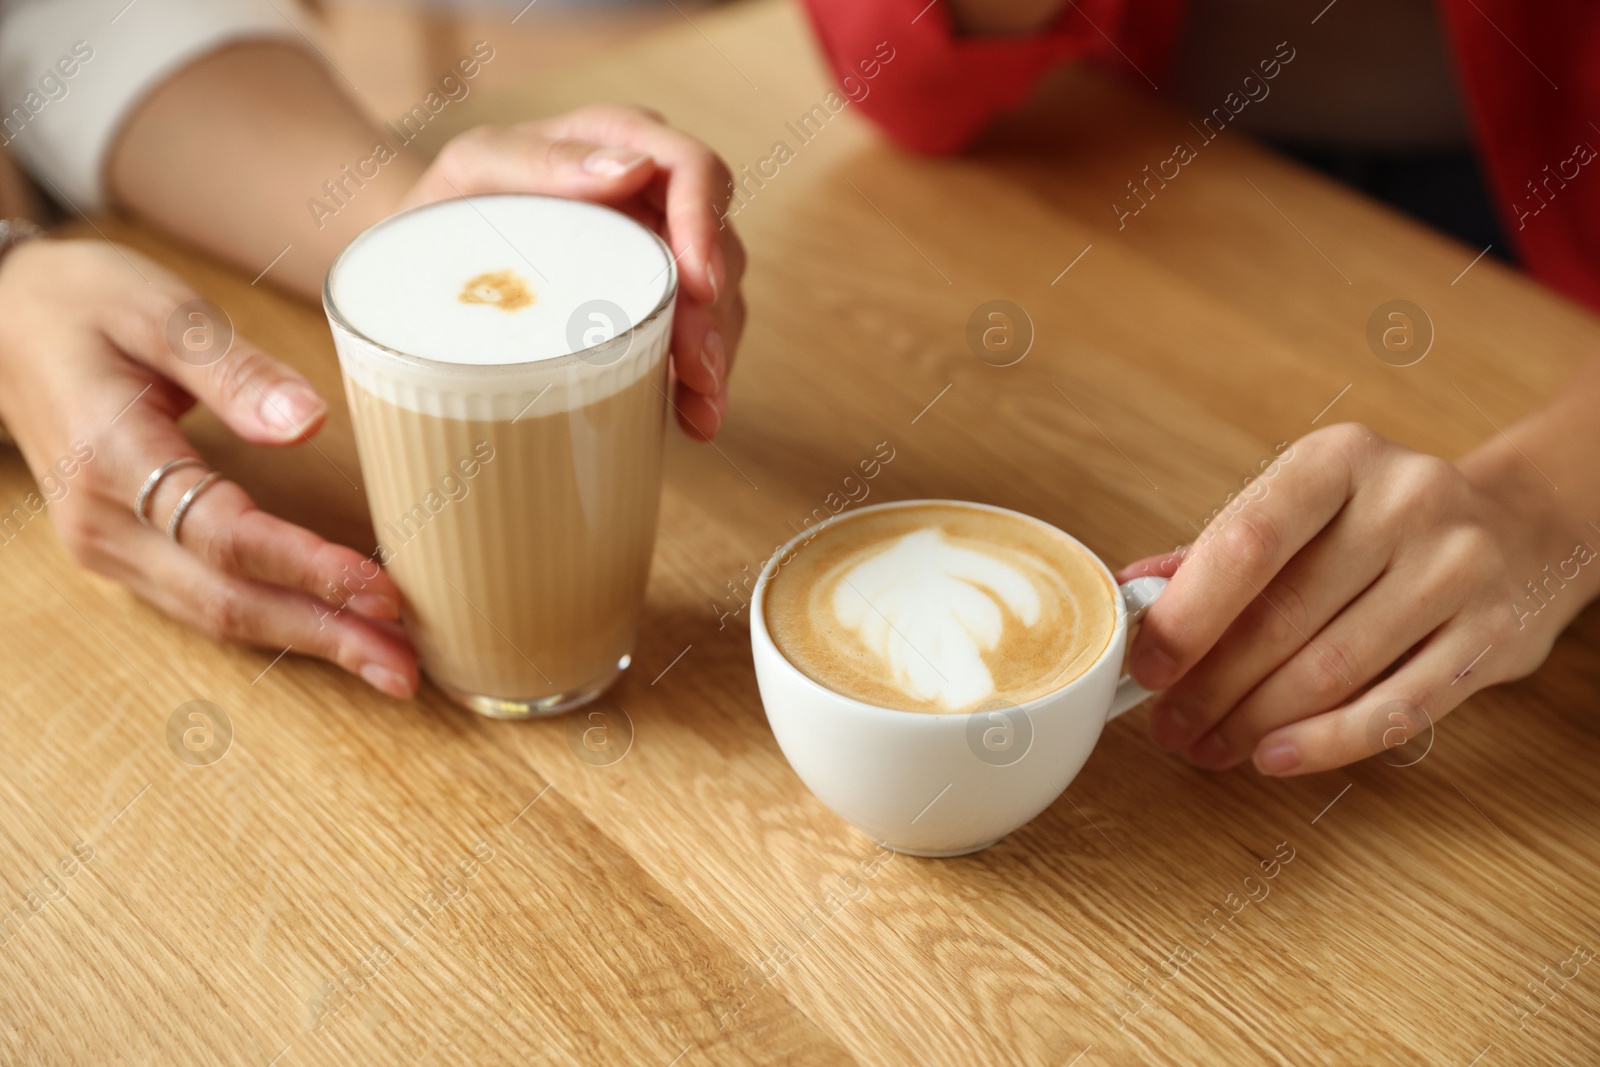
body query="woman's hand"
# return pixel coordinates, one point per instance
(91, 388)
(1357, 593)
(233, 107)
(630, 159)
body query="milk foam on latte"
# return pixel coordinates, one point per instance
(940, 608)
(492, 281)
(402, 282)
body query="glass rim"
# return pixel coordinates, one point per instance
(338, 321)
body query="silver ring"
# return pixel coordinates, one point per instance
(141, 503)
(185, 501)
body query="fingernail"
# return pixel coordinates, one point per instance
(711, 422)
(1212, 751)
(373, 606)
(1154, 668)
(612, 160)
(290, 406)
(1169, 727)
(385, 681)
(713, 358)
(711, 277)
(1280, 757)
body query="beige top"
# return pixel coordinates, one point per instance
(1365, 74)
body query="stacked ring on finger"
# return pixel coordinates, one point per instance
(186, 501)
(141, 503)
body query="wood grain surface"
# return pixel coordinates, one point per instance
(359, 880)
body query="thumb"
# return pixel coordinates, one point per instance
(192, 342)
(1162, 566)
(524, 160)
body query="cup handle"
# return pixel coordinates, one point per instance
(1138, 594)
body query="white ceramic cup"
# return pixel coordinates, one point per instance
(933, 784)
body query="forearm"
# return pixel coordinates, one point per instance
(1546, 471)
(232, 152)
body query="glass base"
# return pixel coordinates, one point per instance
(533, 707)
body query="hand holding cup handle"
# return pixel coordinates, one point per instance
(1138, 594)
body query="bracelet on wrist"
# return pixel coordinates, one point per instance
(15, 231)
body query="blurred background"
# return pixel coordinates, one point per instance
(394, 52)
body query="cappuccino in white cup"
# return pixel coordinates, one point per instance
(937, 672)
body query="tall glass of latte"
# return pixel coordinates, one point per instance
(505, 360)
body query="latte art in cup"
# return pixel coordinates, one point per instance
(940, 608)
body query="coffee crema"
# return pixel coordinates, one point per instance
(940, 608)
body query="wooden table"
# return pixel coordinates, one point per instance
(360, 880)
